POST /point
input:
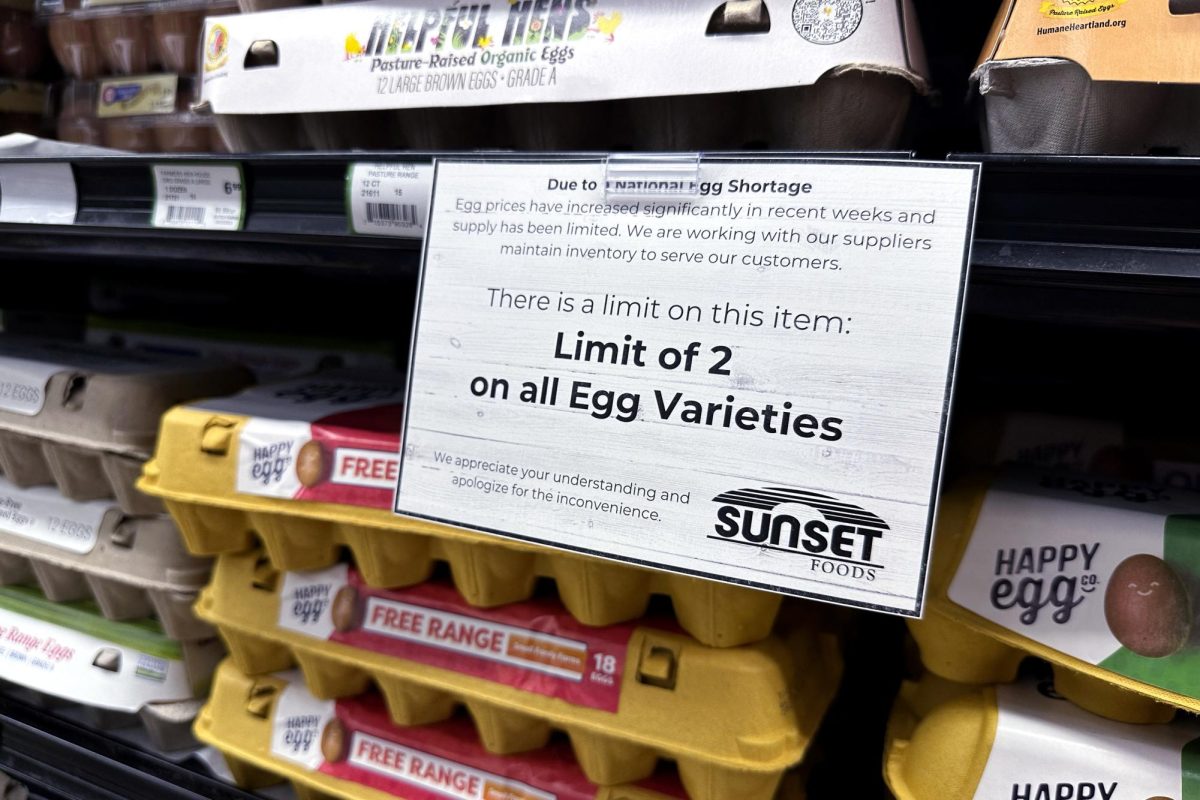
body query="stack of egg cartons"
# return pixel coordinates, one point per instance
(434, 661)
(1091, 581)
(96, 587)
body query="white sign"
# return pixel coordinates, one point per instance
(198, 197)
(41, 194)
(749, 384)
(389, 199)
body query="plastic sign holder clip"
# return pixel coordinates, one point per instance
(652, 175)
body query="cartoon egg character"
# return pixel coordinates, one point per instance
(1147, 608)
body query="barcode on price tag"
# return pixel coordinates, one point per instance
(185, 214)
(199, 196)
(388, 199)
(392, 213)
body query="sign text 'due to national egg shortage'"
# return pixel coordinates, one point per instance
(747, 382)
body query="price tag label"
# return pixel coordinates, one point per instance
(199, 197)
(40, 194)
(746, 383)
(389, 199)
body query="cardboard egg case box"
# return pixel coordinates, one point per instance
(271, 729)
(947, 742)
(308, 468)
(574, 75)
(1092, 77)
(121, 673)
(139, 113)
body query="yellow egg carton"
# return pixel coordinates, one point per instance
(1094, 575)
(271, 729)
(133, 567)
(305, 510)
(125, 672)
(84, 418)
(956, 742)
(733, 719)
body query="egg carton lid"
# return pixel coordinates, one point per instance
(74, 653)
(131, 566)
(1113, 40)
(100, 398)
(97, 538)
(379, 54)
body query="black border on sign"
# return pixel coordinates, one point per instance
(951, 373)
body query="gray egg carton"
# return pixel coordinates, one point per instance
(168, 726)
(98, 417)
(138, 568)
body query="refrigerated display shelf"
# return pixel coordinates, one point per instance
(1104, 215)
(58, 759)
(1115, 215)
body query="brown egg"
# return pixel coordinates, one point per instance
(310, 464)
(125, 41)
(333, 741)
(74, 44)
(1147, 607)
(22, 44)
(127, 133)
(177, 39)
(346, 611)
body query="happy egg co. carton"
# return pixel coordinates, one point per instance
(1097, 576)
(823, 74)
(1092, 76)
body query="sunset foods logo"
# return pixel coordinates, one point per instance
(839, 538)
(483, 26)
